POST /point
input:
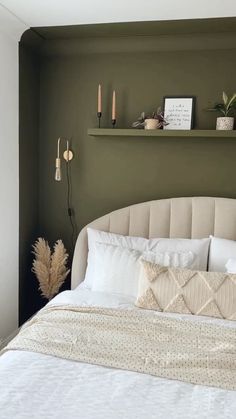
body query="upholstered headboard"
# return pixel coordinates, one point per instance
(195, 217)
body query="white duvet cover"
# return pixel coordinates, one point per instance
(34, 386)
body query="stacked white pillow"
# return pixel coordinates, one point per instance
(116, 270)
(113, 259)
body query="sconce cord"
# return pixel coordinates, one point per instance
(69, 206)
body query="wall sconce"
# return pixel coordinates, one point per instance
(67, 155)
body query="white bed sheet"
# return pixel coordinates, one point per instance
(34, 386)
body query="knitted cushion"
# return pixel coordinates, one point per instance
(185, 291)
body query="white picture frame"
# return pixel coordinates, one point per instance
(179, 112)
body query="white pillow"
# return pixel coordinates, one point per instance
(221, 250)
(173, 259)
(116, 269)
(94, 236)
(197, 247)
(231, 266)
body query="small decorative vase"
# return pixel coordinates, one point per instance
(225, 123)
(152, 123)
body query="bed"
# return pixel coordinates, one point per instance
(35, 385)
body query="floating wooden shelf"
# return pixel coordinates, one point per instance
(195, 133)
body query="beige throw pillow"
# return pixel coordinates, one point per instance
(177, 290)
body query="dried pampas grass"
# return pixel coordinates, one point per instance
(50, 268)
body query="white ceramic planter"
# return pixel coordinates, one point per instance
(152, 124)
(225, 123)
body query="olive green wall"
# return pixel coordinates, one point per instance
(113, 172)
(109, 173)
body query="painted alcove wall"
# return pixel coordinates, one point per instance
(60, 69)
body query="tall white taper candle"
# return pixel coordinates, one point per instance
(113, 115)
(99, 98)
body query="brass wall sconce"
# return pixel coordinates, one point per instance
(67, 155)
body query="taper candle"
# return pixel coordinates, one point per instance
(99, 98)
(113, 115)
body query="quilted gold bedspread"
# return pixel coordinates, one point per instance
(136, 340)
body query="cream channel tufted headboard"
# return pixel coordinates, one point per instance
(193, 217)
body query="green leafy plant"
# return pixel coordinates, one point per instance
(159, 115)
(227, 107)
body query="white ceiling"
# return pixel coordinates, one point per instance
(71, 12)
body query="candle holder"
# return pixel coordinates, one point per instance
(99, 115)
(113, 121)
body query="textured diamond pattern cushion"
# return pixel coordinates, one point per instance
(185, 291)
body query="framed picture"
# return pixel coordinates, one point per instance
(179, 112)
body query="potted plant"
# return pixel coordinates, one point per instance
(154, 121)
(227, 108)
